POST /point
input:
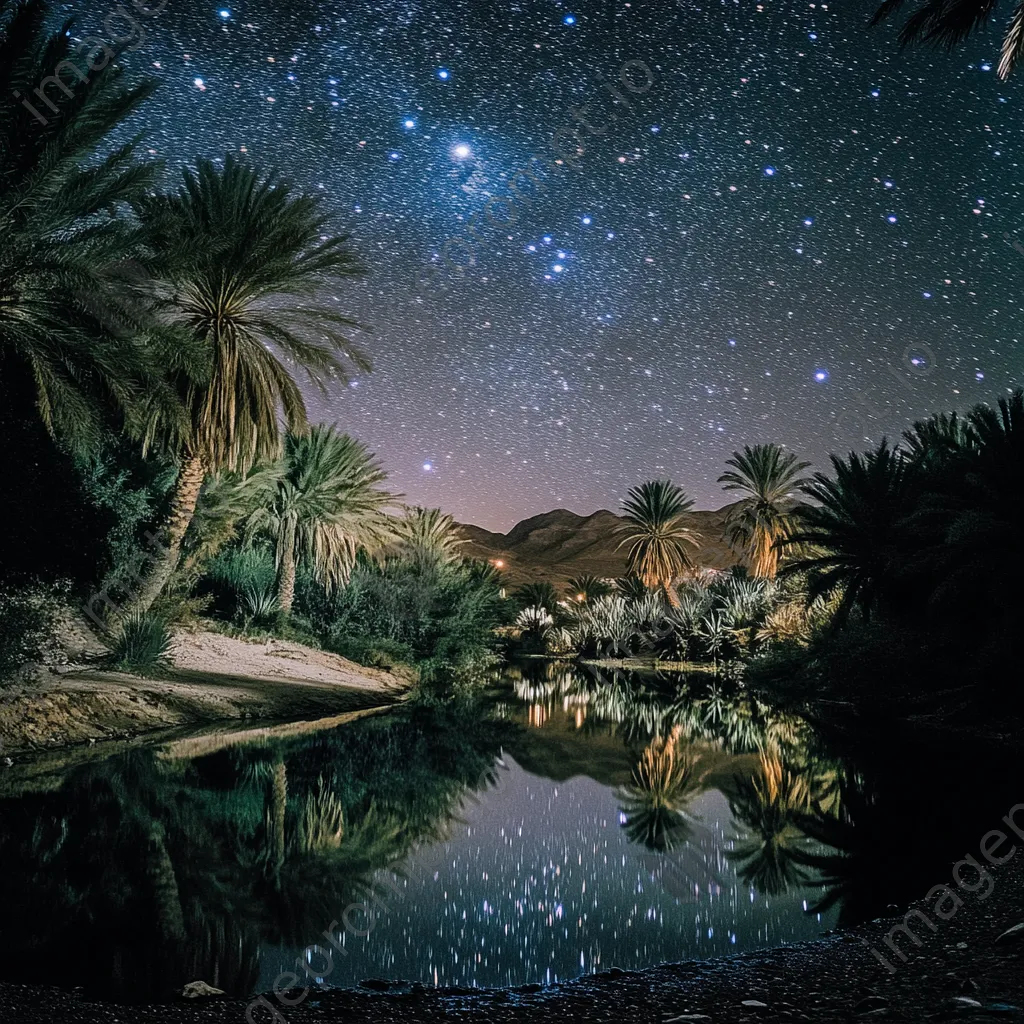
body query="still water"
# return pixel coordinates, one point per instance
(572, 821)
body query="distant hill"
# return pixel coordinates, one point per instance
(560, 544)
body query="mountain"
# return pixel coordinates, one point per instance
(560, 544)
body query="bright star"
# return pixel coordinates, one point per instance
(769, 172)
(199, 84)
(224, 13)
(547, 238)
(409, 123)
(586, 220)
(558, 268)
(461, 151)
(394, 156)
(569, 19)
(891, 218)
(808, 221)
(427, 467)
(821, 375)
(443, 73)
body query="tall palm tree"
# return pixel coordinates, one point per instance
(656, 532)
(770, 478)
(247, 265)
(427, 536)
(858, 529)
(327, 505)
(947, 23)
(70, 322)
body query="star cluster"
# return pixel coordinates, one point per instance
(796, 234)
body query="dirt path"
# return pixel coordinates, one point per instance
(214, 678)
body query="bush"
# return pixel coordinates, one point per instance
(438, 618)
(27, 619)
(241, 583)
(142, 645)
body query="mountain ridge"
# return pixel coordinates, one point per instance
(560, 544)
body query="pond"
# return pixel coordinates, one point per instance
(572, 820)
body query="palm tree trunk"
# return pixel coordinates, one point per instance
(286, 569)
(168, 546)
(279, 803)
(164, 885)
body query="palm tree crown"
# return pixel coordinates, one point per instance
(69, 325)
(427, 536)
(769, 477)
(328, 504)
(655, 532)
(947, 23)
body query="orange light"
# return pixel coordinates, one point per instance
(499, 564)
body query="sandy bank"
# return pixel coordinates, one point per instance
(212, 678)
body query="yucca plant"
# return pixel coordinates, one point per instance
(142, 644)
(260, 607)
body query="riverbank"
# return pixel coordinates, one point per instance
(211, 678)
(959, 972)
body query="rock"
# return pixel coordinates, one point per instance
(1014, 934)
(871, 1002)
(200, 990)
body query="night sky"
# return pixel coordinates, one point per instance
(795, 234)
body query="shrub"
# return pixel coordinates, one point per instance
(142, 644)
(27, 618)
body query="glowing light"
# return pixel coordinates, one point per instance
(891, 218)
(199, 84)
(808, 221)
(462, 151)
(821, 375)
(427, 467)
(558, 268)
(443, 74)
(409, 123)
(224, 13)
(769, 172)
(569, 19)
(586, 220)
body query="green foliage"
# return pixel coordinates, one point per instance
(439, 618)
(654, 532)
(142, 645)
(27, 618)
(234, 574)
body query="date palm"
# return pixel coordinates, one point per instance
(857, 530)
(248, 265)
(587, 588)
(427, 536)
(656, 533)
(70, 322)
(770, 479)
(327, 505)
(947, 23)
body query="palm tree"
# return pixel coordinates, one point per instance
(947, 23)
(326, 506)
(70, 322)
(858, 528)
(537, 595)
(427, 536)
(587, 588)
(655, 532)
(245, 261)
(769, 477)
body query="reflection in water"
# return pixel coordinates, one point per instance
(574, 820)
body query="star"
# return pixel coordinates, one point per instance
(461, 151)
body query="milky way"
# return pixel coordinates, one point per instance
(794, 232)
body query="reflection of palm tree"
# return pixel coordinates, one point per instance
(769, 803)
(323, 821)
(664, 781)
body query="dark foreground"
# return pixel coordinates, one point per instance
(959, 972)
